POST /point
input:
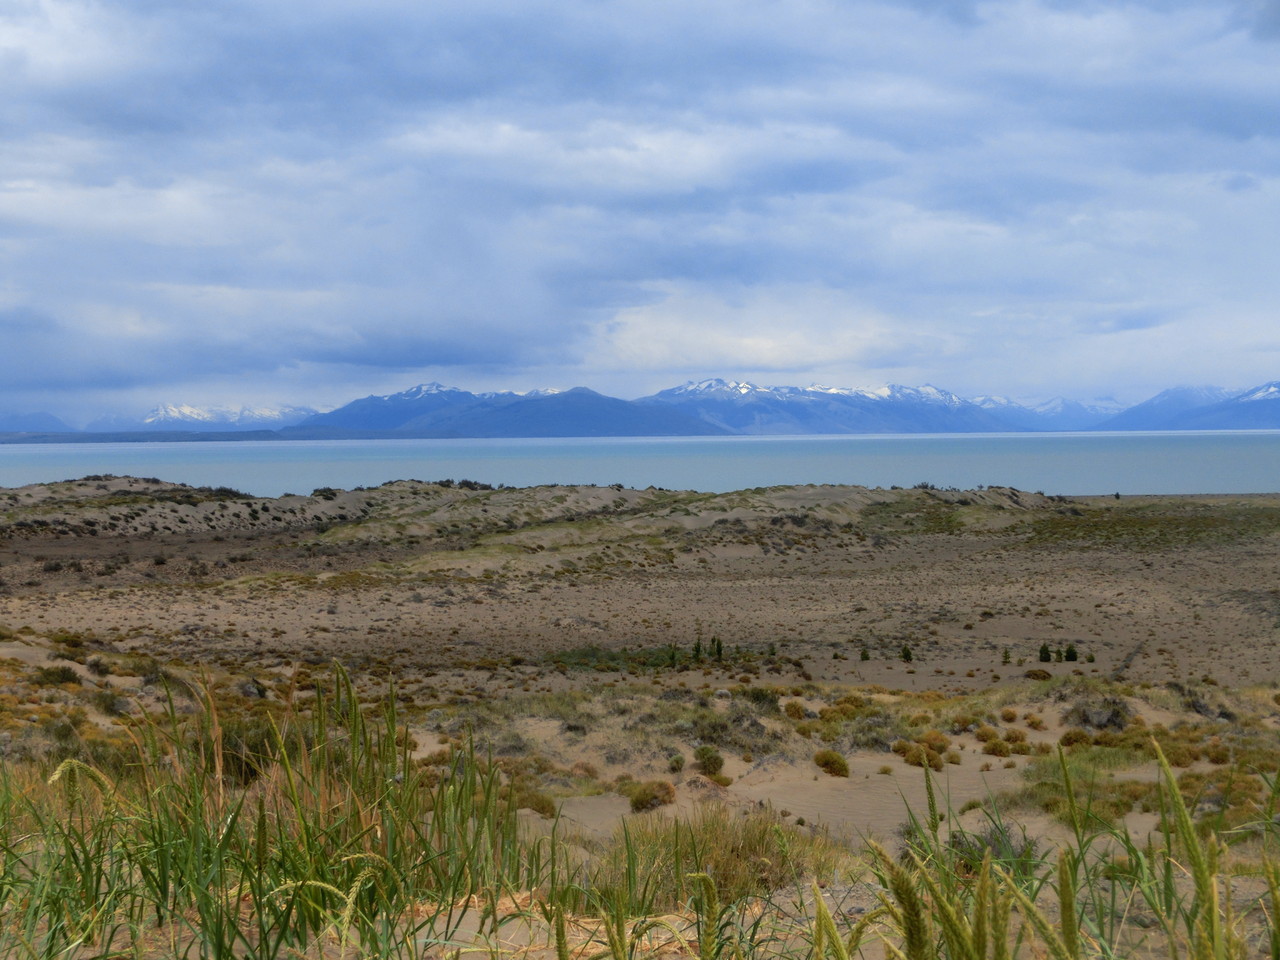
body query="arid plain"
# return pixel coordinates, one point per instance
(609, 630)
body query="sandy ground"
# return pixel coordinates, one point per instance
(474, 594)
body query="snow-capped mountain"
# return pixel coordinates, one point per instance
(745, 408)
(724, 389)
(391, 411)
(897, 393)
(1063, 414)
(1049, 415)
(712, 406)
(1257, 408)
(1266, 393)
(1166, 406)
(168, 416)
(182, 416)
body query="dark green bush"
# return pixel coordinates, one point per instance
(54, 676)
(708, 760)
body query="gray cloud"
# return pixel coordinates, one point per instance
(233, 196)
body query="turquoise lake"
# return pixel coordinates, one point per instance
(1081, 463)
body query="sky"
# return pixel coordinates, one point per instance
(269, 201)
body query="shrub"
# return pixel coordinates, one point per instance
(1074, 736)
(986, 733)
(1180, 755)
(675, 763)
(935, 740)
(831, 763)
(1217, 752)
(1045, 654)
(708, 760)
(794, 710)
(1015, 852)
(109, 702)
(54, 676)
(765, 699)
(651, 794)
(996, 748)
(918, 755)
(538, 802)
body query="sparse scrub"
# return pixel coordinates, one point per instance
(831, 763)
(293, 815)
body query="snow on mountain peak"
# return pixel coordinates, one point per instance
(993, 402)
(1268, 391)
(168, 412)
(924, 394)
(185, 413)
(1102, 406)
(718, 385)
(421, 390)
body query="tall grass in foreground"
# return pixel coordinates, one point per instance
(337, 835)
(313, 832)
(1103, 894)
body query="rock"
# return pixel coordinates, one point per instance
(1107, 713)
(252, 689)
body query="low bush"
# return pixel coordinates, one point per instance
(54, 676)
(708, 760)
(831, 763)
(1074, 737)
(650, 795)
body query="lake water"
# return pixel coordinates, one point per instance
(1083, 463)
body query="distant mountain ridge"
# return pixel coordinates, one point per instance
(709, 407)
(32, 423)
(181, 416)
(435, 411)
(744, 408)
(1258, 408)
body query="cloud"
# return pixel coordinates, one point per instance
(691, 330)
(227, 197)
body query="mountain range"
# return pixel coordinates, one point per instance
(712, 407)
(204, 419)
